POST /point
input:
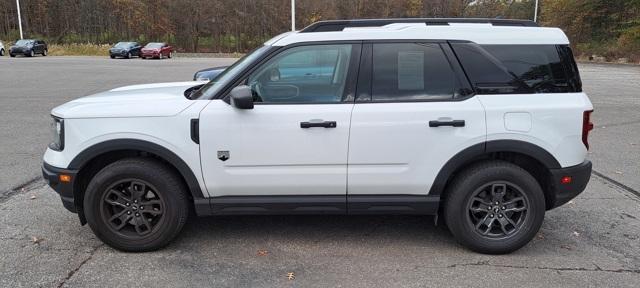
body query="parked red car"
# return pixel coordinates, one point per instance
(156, 50)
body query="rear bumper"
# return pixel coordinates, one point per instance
(580, 175)
(52, 174)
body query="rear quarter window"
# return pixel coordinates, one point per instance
(505, 69)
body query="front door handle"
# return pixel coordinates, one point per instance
(323, 124)
(452, 123)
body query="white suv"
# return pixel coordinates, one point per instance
(481, 121)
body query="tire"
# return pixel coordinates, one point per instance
(143, 58)
(466, 215)
(112, 56)
(160, 56)
(44, 52)
(1, 52)
(109, 196)
(12, 55)
(31, 53)
(129, 55)
(170, 55)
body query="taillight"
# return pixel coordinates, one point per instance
(586, 127)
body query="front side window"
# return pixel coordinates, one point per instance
(304, 74)
(411, 72)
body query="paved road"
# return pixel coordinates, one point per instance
(593, 241)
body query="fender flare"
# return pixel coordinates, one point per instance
(478, 150)
(141, 145)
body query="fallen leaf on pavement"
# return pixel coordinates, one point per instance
(33, 197)
(36, 240)
(576, 233)
(618, 172)
(262, 252)
(566, 247)
(290, 276)
(540, 235)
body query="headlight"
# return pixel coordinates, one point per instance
(57, 131)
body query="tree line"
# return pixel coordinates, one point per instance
(606, 27)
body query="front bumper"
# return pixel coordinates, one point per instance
(18, 51)
(150, 54)
(563, 192)
(52, 174)
(118, 53)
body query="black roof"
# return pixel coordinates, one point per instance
(339, 25)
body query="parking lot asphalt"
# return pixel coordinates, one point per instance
(593, 241)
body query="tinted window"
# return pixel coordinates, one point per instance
(538, 66)
(498, 69)
(305, 74)
(411, 71)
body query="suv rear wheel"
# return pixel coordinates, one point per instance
(494, 207)
(136, 204)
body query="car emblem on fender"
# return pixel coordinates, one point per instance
(223, 155)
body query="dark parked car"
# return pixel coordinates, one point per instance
(29, 47)
(208, 74)
(125, 50)
(157, 50)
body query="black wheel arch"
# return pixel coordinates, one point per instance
(533, 158)
(91, 160)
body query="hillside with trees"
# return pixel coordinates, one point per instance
(609, 28)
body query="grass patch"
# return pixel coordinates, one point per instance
(79, 49)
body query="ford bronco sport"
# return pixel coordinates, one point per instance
(480, 121)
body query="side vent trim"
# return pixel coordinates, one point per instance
(195, 130)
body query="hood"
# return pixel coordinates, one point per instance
(148, 100)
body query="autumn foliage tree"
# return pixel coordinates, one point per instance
(607, 27)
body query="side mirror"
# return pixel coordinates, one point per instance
(242, 97)
(274, 75)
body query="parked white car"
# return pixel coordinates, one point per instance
(483, 122)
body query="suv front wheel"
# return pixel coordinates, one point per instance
(136, 205)
(494, 207)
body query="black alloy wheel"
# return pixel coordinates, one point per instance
(498, 209)
(494, 207)
(132, 208)
(136, 204)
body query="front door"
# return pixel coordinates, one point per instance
(295, 140)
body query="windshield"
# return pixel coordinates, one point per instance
(212, 88)
(24, 42)
(122, 45)
(154, 45)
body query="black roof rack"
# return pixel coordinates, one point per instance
(339, 25)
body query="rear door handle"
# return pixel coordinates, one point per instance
(324, 124)
(452, 123)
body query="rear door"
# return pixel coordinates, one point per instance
(414, 111)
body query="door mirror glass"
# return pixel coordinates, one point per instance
(274, 75)
(242, 97)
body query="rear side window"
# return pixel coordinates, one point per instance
(503, 69)
(411, 72)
